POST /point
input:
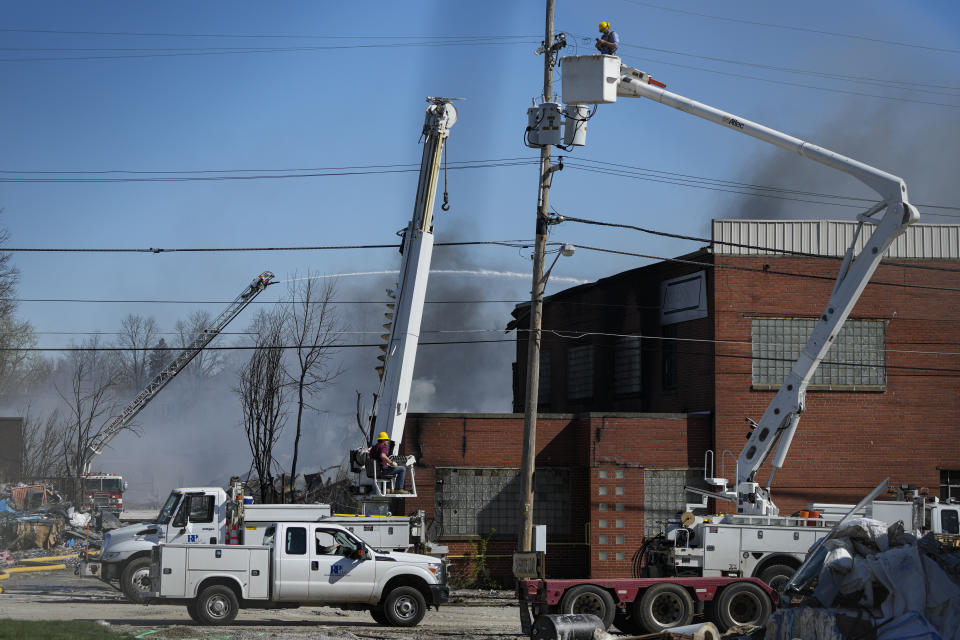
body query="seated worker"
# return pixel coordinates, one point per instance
(609, 42)
(388, 468)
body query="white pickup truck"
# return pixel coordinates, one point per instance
(299, 564)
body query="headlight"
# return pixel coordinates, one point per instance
(434, 569)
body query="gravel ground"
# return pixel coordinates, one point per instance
(59, 595)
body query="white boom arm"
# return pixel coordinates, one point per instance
(779, 422)
(392, 402)
(200, 341)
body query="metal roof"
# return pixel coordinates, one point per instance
(831, 237)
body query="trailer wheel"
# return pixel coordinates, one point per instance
(663, 606)
(404, 607)
(777, 575)
(135, 580)
(378, 616)
(587, 598)
(742, 603)
(217, 604)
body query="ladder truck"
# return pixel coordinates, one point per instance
(404, 315)
(199, 342)
(701, 559)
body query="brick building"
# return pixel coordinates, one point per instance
(651, 367)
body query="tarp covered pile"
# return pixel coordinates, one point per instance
(38, 517)
(878, 582)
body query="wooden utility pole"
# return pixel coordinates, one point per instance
(528, 458)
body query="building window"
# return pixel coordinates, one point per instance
(602, 474)
(621, 539)
(618, 491)
(580, 372)
(626, 366)
(619, 555)
(619, 524)
(602, 506)
(602, 491)
(856, 361)
(949, 484)
(603, 539)
(602, 524)
(474, 501)
(664, 497)
(619, 507)
(543, 384)
(602, 555)
(618, 474)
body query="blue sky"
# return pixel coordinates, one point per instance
(164, 108)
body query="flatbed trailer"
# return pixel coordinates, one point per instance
(649, 605)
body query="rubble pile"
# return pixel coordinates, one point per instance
(875, 582)
(39, 517)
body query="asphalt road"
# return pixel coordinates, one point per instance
(59, 595)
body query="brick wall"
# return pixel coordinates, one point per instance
(847, 442)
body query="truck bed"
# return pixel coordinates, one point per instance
(185, 565)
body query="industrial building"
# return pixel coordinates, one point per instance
(644, 371)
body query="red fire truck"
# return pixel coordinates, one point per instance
(103, 491)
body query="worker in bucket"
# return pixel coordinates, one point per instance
(609, 42)
(388, 468)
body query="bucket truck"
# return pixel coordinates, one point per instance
(404, 317)
(755, 543)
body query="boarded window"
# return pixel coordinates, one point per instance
(683, 298)
(663, 496)
(580, 372)
(855, 361)
(626, 366)
(475, 501)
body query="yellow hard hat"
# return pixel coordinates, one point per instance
(383, 436)
(604, 26)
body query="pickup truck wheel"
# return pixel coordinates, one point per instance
(217, 604)
(777, 575)
(587, 598)
(379, 617)
(742, 603)
(404, 607)
(135, 580)
(192, 610)
(663, 606)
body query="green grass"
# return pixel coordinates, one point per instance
(56, 630)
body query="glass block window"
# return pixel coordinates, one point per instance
(543, 385)
(855, 360)
(580, 372)
(602, 491)
(602, 506)
(474, 501)
(619, 555)
(602, 474)
(603, 540)
(664, 497)
(949, 484)
(621, 539)
(602, 524)
(620, 507)
(602, 555)
(619, 491)
(626, 365)
(619, 524)
(618, 474)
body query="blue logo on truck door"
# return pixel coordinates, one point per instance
(193, 537)
(336, 569)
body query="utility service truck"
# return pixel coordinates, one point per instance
(714, 564)
(298, 564)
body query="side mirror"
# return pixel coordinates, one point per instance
(358, 554)
(126, 485)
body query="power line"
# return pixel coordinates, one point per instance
(258, 35)
(336, 247)
(772, 25)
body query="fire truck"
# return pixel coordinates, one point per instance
(103, 492)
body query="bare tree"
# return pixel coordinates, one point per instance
(209, 361)
(159, 357)
(15, 336)
(41, 455)
(87, 394)
(262, 395)
(137, 335)
(312, 326)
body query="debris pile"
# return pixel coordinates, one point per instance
(871, 581)
(39, 517)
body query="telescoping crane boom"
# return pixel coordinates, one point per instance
(601, 79)
(389, 411)
(200, 341)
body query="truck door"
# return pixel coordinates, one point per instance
(195, 521)
(293, 563)
(336, 573)
(949, 521)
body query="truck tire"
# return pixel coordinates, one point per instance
(663, 606)
(587, 598)
(135, 579)
(192, 612)
(742, 603)
(217, 604)
(777, 575)
(404, 607)
(378, 616)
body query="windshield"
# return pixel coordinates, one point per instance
(89, 484)
(167, 511)
(112, 484)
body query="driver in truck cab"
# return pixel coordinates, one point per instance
(388, 468)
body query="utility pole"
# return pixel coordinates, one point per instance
(528, 458)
